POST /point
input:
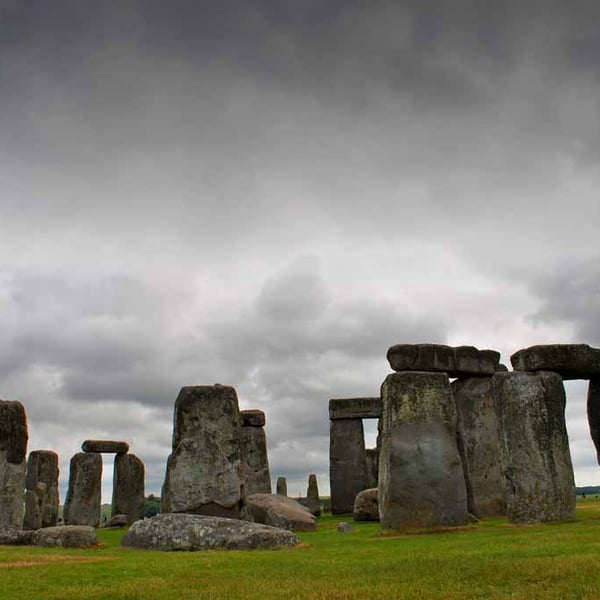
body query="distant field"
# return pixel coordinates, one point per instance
(488, 560)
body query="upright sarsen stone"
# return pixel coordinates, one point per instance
(534, 447)
(313, 502)
(128, 498)
(204, 471)
(83, 502)
(593, 413)
(281, 486)
(421, 481)
(479, 445)
(254, 452)
(42, 467)
(13, 447)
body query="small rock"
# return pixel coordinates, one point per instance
(344, 527)
(117, 521)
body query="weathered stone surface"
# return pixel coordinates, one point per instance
(82, 505)
(105, 446)
(129, 476)
(198, 532)
(65, 536)
(534, 448)
(15, 537)
(282, 486)
(366, 507)
(42, 467)
(344, 527)
(204, 471)
(347, 463)
(421, 481)
(593, 413)
(13, 446)
(479, 445)
(372, 455)
(118, 521)
(279, 511)
(459, 361)
(35, 502)
(253, 418)
(255, 460)
(570, 361)
(355, 408)
(313, 502)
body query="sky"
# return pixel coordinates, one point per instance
(269, 194)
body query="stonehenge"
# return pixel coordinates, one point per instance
(83, 501)
(254, 452)
(42, 470)
(128, 487)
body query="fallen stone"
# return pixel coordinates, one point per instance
(170, 532)
(460, 361)
(42, 467)
(281, 486)
(344, 527)
(82, 505)
(15, 537)
(65, 536)
(313, 502)
(366, 507)
(128, 496)
(279, 511)
(355, 408)
(118, 521)
(570, 361)
(534, 447)
(253, 418)
(105, 446)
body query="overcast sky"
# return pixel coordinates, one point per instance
(268, 194)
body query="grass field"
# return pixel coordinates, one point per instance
(489, 560)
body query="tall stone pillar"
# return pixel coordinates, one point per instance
(204, 471)
(313, 501)
(347, 463)
(254, 452)
(128, 487)
(13, 447)
(534, 447)
(42, 467)
(421, 481)
(593, 413)
(84, 495)
(282, 486)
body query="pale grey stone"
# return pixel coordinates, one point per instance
(35, 504)
(82, 505)
(279, 511)
(255, 460)
(366, 505)
(344, 527)
(570, 361)
(188, 532)
(534, 448)
(129, 476)
(42, 467)
(313, 501)
(118, 521)
(65, 536)
(15, 537)
(421, 481)
(355, 408)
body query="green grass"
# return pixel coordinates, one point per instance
(489, 560)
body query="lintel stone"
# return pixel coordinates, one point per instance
(354, 408)
(108, 446)
(570, 361)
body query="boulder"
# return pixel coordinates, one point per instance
(344, 527)
(42, 467)
(479, 445)
(534, 447)
(199, 532)
(279, 511)
(118, 521)
(460, 361)
(82, 505)
(65, 536)
(313, 502)
(421, 481)
(366, 507)
(13, 447)
(570, 361)
(205, 471)
(282, 486)
(105, 446)
(15, 537)
(128, 487)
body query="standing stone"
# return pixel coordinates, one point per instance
(281, 486)
(313, 501)
(254, 452)
(82, 505)
(204, 471)
(372, 455)
(593, 413)
(421, 481)
(347, 463)
(478, 444)
(42, 467)
(35, 503)
(13, 447)
(128, 487)
(534, 447)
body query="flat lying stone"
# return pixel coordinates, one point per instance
(355, 408)
(279, 511)
(457, 361)
(179, 531)
(570, 361)
(253, 418)
(65, 536)
(15, 537)
(105, 446)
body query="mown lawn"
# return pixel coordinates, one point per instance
(488, 560)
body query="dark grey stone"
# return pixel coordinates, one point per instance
(534, 448)
(347, 463)
(570, 361)
(118, 521)
(82, 505)
(279, 511)
(255, 460)
(42, 467)
(13, 446)
(366, 505)
(198, 532)
(35, 502)
(460, 361)
(313, 501)
(372, 455)
(593, 413)
(15, 537)
(105, 446)
(355, 408)
(65, 536)
(421, 481)
(282, 486)
(253, 418)
(478, 444)
(205, 471)
(129, 477)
